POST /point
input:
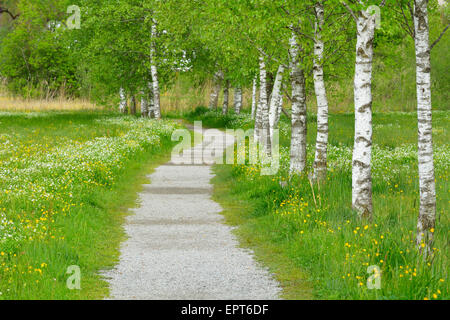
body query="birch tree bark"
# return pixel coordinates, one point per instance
(123, 101)
(427, 211)
(154, 71)
(280, 106)
(320, 159)
(144, 105)
(276, 100)
(254, 101)
(237, 99)
(258, 119)
(214, 97)
(298, 134)
(151, 104)
(362, 148)
(226, 95)
(264, 134)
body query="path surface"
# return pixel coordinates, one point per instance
(178, 246)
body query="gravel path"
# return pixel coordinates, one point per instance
(178, 247)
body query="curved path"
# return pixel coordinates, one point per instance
(178, 247)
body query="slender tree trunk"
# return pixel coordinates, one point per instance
(280, 106)
(151, 104)
(133, 105)
(362, 149)
(226, 95)
(258, 119)
(144, 105)
(123, 101)
(320, 160)
(237, 99)
(254, 101)
(269, 85)
(427, 211)
(155, 80)
(299, 129)
(214, 97)
(264, 133)
(276, 100)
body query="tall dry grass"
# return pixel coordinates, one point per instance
(12, 103)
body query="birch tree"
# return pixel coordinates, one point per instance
(264, 134)
(237, 99)
(226, 94)
(362, 148)
(154, 72)
(276, 100)
(427, 212)
(298, 124)
(144, 105)
(214, 96)
(254, 101)
(123, 101)
(414, 20)
(320, 159)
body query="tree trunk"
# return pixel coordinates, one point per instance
(214, 97)
(258, 123)
(280, 106)
(254, 101)
(123, 101)
(133, 105)
(362, 149)
(226, 95)
(427, 211)
(276, 100)
(155, 81)
(298, 134)
(264, 134)
(320, 159)
(237, 99)
(144, 105)
(150, 101)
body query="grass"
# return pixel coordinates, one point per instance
(238, 211)
(11, 103)
(66, 180)
(310, 233)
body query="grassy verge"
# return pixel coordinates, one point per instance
(255, 232)
(309, 231)
(66, 180)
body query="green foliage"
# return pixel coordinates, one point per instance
(35, 56)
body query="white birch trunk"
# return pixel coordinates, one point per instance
(123, 101)
(257, 131)
(144, 105)
(214, 97)
(264, 134)
(254, 101)
(280, 107)
(155, 80)
(151, 104)
(427, 211)
(362, 148)
(298, 134)
(320, 159)
(226, 95)
(276, 100)
(237, 99)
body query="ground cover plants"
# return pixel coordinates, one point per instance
(313, 228)
(66, 179)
